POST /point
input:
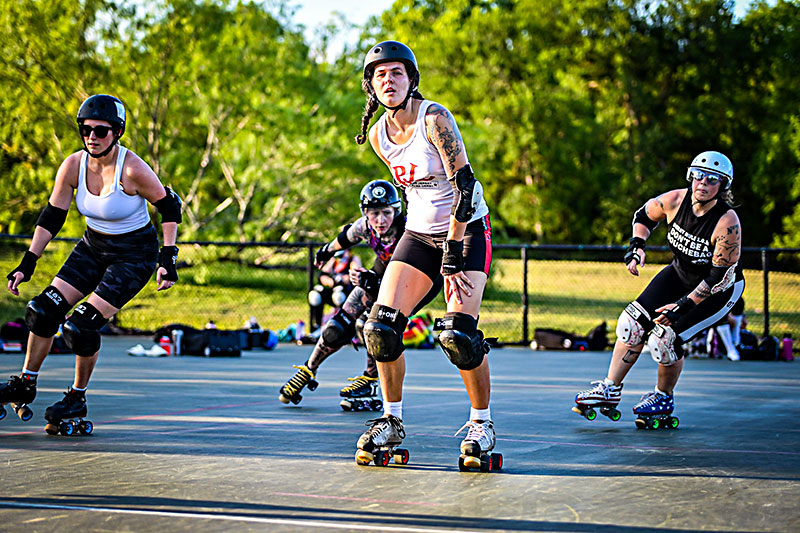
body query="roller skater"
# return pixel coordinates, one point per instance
(18, 392)
(448, 232)
(67, 416)
(113, 261)
(380, 442)
(361, 395)
(692, 293)
(381, 226)
(653, 411)
(604, 395)
(477, 446)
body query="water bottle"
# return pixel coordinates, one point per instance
(165, 344)
(301, 331)
(786, 349)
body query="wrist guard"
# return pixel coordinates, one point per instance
(684, 306)
(26, 266)
(370, 282)
(636, 243)
(323, 254)
(453, 257)
(168, 258)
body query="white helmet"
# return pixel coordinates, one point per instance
(714, 161)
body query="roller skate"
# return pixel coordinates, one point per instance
(477, 446)
(603, 396)
(66, 416)
(379, 443)
(361, 395)
(19, 392)
(290, 392)
(654, 411)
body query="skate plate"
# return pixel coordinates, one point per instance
(361, 404)
(665, 421)
(486, 462)
(23, 411)
(69, 427)
(588, 412)
(381, 456)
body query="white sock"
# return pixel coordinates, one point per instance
(608, 381)
(78, 389)
(29, 372)
(735, 331)
(393, 408)
(480, 414)
(659, 391)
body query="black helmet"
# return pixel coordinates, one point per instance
(389, 51)
(103, 107)
(380, 193)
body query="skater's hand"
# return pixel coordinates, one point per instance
(634, 255)
(672, 313)
(22, 273)
(14, 283)
(167, 273)
(163, 283)
(663, 319)
(456, 285)
(636, 262)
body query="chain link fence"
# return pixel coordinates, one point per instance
(568, 287)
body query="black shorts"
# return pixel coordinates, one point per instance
(666, 287)
(115, 267)
(424, 252)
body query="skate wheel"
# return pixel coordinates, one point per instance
(486, 463)
(2, 412)
(614, 414)
(283, 399)
(363, 457)
(376, 405)
(296, 399)
(654, 423)
(312, 385)
(381, 458)
(590, 414)
(401, 456)
(497, 461)
(85, 427)
(672, 422)
(345, 405)
(25, 413)
(51, 429)
(66, 429)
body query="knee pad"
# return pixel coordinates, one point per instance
(383, 333)
(315, 296)
(46, 312)
(338, 297)
(632, 324)
(663, 347)
(339, 330)
(461, 340)
(82, 330)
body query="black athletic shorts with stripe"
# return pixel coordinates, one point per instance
(115, 267)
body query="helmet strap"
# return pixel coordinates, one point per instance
(104, 152)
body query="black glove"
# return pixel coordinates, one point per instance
(637, 243)
(323, 254)
(453, 257)
(370, 282)
(26, 266)
(684, 307)
(168, 258)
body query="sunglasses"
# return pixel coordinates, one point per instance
(99, 131)
(712, 178)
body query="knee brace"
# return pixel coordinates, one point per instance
(82, 330)
(461, 340)
(383, 333)
(632, 324)
(46, 312)
(339, 330)
(663, 348)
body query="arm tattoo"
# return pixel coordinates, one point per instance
(445, 136)
(630, 357)
(702, 291)
(727, 249)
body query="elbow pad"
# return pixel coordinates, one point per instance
(640, 217)
(169, 207)
(343, 240)
(52, 218)
(469, 192)
(721, 278)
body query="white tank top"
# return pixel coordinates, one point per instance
(417, 167)
(113, 213)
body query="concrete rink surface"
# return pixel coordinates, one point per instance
(198, 444)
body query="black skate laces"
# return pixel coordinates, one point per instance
(299, 380)
(379, 424)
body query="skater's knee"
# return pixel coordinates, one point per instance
(461, 340)
(383, 333)
(46, 312)
(665, 346)
(632, 324)
(339, 330)
(82, 330)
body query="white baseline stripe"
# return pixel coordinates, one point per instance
(230, 518)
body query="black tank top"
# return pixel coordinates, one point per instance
(689, 238)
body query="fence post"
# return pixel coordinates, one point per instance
(525, 303)
(765, 269)
(310, 271)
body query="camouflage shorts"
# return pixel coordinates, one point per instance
(115, 267)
